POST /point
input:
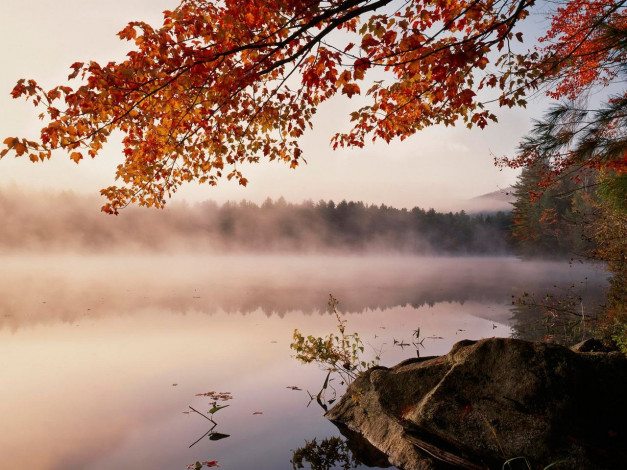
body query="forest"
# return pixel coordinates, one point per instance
(68, 222)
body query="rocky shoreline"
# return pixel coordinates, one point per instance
(492, 400)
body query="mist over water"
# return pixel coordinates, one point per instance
(48, 289)
(106, 353)
(110, 327)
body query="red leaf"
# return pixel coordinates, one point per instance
(350, 89)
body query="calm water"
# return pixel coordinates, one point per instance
(100, 358)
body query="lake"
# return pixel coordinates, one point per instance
(102, 357)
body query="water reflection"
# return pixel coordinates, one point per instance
(324, 455)
(217, 404)
(46, 290)
(90, 348)
(338, 452)
(564, 315)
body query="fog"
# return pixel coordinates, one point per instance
(42, 290)
(128, 339)
(501, 200)
(63, 222)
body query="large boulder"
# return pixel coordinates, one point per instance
(492, 400)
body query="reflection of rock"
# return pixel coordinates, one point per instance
(363, 450)
(494, 399)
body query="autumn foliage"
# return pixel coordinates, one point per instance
(583, 47)
(221, 83)
(584, 51)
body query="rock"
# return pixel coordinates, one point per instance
(492, 400)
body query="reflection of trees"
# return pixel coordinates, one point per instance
(347, 452)
(324, 455)
(32, 293)
(563, 316)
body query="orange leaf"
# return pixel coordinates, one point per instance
(76, 156)
(350, 89)
(20, 148)
(11, 141)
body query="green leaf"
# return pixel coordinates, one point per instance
(215, 409)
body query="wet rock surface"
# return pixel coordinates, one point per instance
(492, 400)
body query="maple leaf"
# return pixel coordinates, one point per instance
(368, 41)
(128, 32)
(350, 89)
(76, 156)
(10, 142)
(361, 65)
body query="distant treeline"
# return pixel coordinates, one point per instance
(356, 226)
(70, 222)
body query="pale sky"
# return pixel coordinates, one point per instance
(439, 167)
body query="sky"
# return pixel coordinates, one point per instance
(439, 167)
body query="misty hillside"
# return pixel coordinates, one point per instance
(53, 222)
(500, 200)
